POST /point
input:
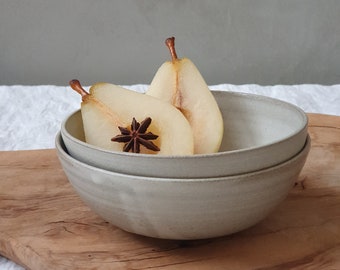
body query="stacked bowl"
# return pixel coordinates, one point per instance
(264, 148)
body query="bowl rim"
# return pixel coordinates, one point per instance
(62, 151)
(235, 152)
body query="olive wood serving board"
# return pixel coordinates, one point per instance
(44, 225)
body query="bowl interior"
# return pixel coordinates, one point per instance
(250, 121)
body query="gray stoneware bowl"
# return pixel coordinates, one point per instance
(173, 208)
(259, 132)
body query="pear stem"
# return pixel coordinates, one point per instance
(76, 86)
(170, 43)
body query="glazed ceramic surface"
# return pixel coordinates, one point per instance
(173, 208)
(259, 132)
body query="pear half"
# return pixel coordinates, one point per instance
(180, 83)
(107, 107)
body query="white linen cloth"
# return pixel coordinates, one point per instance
(31, 116)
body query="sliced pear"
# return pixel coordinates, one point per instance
(180, 83)
(108, 107)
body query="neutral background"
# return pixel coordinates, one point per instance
(231, 41)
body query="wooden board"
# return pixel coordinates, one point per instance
(44, 225)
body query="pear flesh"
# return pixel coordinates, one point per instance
(100, 124)
(109, 106)
(180, 83)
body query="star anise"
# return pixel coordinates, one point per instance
(137, 136)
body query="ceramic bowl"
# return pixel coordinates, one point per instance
(259, 132)
(173, 208)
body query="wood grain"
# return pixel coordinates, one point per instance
(44, 225)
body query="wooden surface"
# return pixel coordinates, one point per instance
(44, 225)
